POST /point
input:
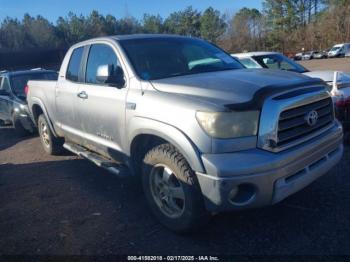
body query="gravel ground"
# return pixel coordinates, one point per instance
(338, 64)
(65, 205)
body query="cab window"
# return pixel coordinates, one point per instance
(74, 65)
(99, 54)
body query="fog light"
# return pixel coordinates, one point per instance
(242, 194)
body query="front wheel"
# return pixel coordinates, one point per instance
(172, 189)
(52, 145)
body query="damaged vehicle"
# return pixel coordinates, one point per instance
(13, 103)
(202, 133)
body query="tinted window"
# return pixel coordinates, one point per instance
(18, 82)
(74, 65)
(155, 58)
(99, 54)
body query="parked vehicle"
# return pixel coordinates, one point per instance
(347, 54)
(13, 104)
(341, 97)
(204, 134)
(275, 60)
(339, 50)
(298, 56)
(320, 55)
(308, 55)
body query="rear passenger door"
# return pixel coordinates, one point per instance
(101, 111)
(66, 96)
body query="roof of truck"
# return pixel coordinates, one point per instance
(127, 37)
(143, 36)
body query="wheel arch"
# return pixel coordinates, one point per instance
(37, 108)
(149, 133)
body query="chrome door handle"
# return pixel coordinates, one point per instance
(83, 95)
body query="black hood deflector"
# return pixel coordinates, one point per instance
(260, 96)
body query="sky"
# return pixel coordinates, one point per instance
(52, 9)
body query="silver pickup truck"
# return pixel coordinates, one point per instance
(203, 134)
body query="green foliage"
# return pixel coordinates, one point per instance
(284, 25)
(12, 35)
(152, 24)
(186, 22)
(212, 25)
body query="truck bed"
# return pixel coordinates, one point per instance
(42, 91)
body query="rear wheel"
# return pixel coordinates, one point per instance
(52, 145)
(172, 190)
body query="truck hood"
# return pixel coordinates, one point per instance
(233, 86)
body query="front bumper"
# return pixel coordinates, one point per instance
(256, 177)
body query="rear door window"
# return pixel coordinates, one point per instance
(74, 65)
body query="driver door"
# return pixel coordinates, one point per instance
(101, 107)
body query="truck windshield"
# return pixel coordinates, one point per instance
(278, 61)
(18, 82)
(156, 58)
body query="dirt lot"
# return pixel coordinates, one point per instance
(339, 64)
(66, 205)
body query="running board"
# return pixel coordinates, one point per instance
(110, 165)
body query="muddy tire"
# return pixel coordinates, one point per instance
(51, 144)
(172, 190)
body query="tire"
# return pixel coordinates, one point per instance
(164, 164)
(19, 129)
(51, 144)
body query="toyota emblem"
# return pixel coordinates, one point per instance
(311, 118)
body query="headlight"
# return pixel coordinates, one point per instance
(229, 124)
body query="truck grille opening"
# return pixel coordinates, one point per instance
(293, 123)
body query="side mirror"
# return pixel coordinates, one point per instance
(4, 92)
(110, 75)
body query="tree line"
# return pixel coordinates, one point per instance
(282, 25)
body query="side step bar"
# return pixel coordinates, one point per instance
(110, 165)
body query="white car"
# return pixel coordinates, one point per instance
(339, 82)
(339, 50)
(308, 55)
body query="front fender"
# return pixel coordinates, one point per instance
(146, 126)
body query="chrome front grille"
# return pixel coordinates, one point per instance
(293, 124)
(285, 118)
